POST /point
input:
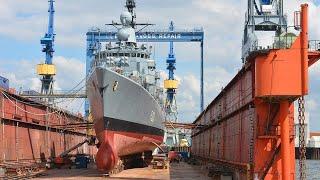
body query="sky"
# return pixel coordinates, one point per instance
(23, 23)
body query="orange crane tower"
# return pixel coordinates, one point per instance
(282, 76)
(248, 129)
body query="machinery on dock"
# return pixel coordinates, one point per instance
(248, 129)
(63, 158)
(125, 97)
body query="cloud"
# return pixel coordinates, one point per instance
(70, 72)
(188, 94)
(312, 105)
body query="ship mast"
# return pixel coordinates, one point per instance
(131, 5)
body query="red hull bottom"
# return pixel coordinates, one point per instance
(115, 144)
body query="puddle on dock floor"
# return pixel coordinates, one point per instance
(176, 171)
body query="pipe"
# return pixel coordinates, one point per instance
(201, 81)
(285, 140)
(304, 48)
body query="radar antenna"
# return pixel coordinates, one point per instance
(131, 5)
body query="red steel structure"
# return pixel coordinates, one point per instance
(248, 129)
(33, 132)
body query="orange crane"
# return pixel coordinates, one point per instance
(282, 76)
(249, 127)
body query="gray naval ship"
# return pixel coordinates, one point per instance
(125, 97)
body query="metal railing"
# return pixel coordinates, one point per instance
(283, 42)
(314, 45)
(56, 94)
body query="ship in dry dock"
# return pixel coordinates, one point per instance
(125, 97)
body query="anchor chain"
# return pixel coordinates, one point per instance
(302, 138)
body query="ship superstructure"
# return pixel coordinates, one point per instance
(133, 62)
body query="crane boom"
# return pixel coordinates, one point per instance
(48, 40)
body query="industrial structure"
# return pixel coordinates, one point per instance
(262, 15)
(32, 133)
(171, 84)
(248, 129)
(171, 137)
(47, 70)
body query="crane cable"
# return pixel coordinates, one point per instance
(29, 111)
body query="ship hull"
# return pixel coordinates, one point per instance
(127, 119)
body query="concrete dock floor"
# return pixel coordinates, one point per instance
(176, 171)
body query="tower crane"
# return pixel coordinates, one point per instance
(48, 70)
(262, 15)
(171, 84)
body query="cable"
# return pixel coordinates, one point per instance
(29, 111)
(25, 110)
(81, 105)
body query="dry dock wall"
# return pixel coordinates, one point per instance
(30, 131)
(240, 132)
(227, 124)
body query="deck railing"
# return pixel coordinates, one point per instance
(314, 45)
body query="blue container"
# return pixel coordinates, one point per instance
(266, 2)
(184, 155)
(81, 162)
(4, 83)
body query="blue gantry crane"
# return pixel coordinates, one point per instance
(171, 84)
(47, 69)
